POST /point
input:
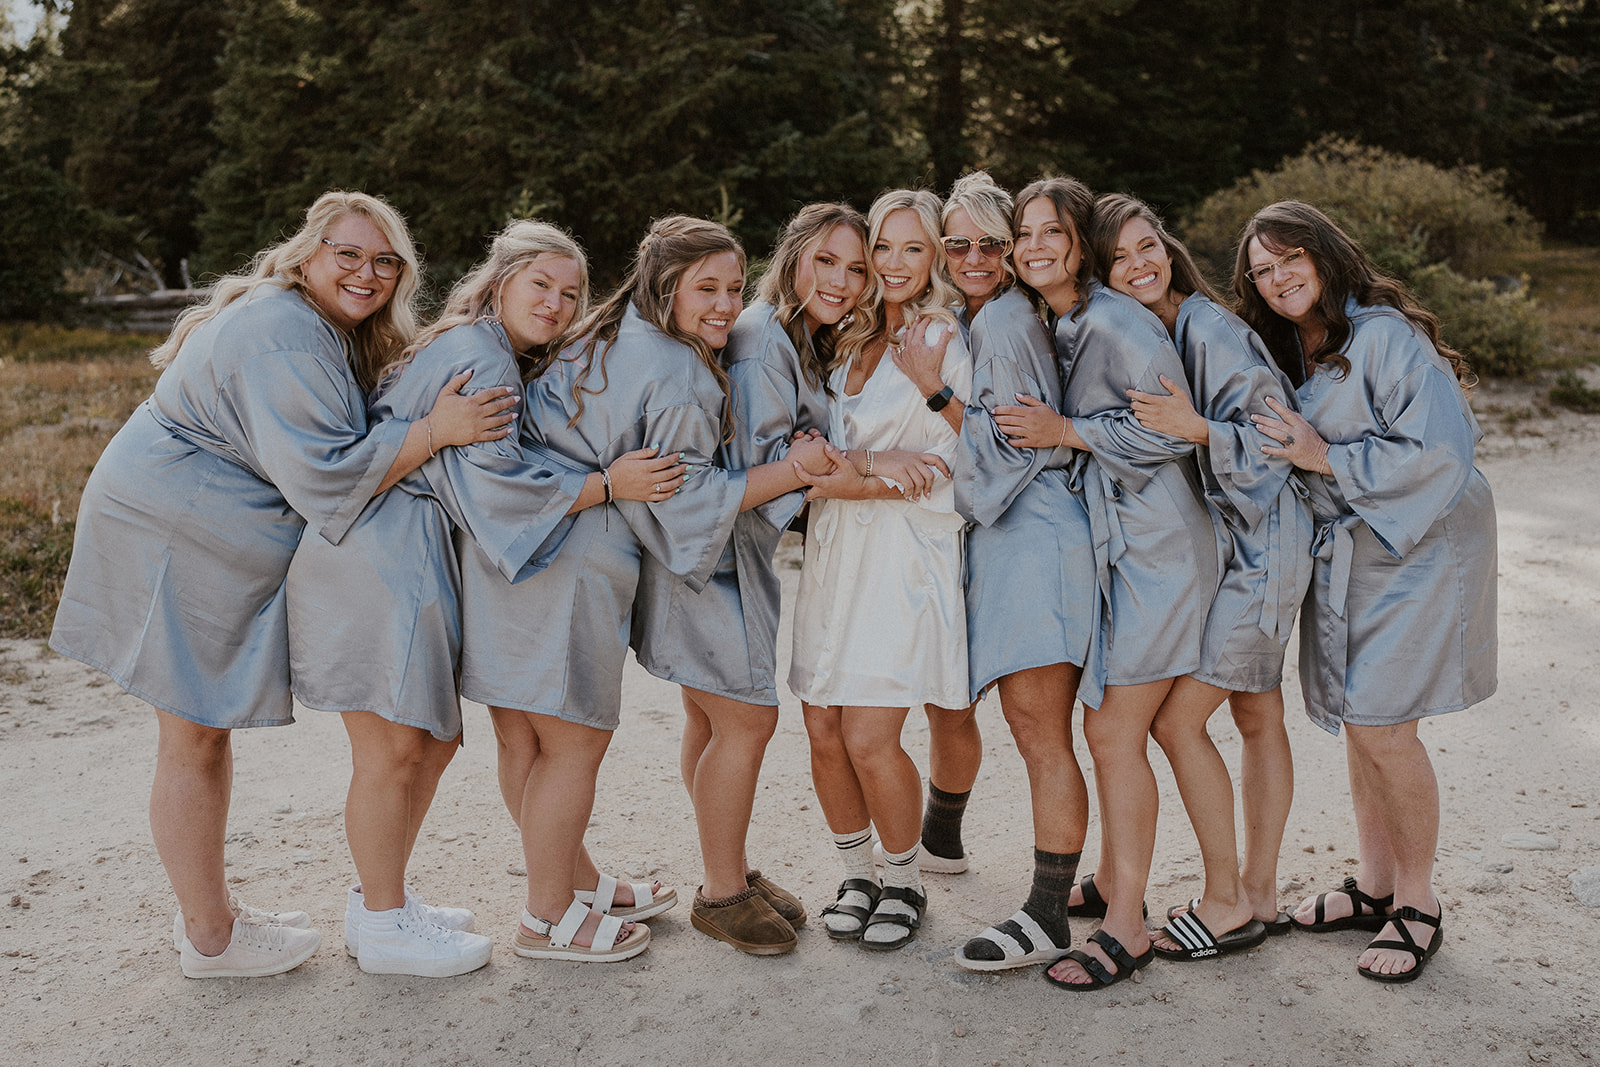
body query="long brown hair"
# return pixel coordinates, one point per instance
(379, 339)
(779, 286)
(1345, 271)
(1074, 205)
(477, 294)
(674, 244)
(1112, 212)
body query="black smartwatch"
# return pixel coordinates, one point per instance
(938, 400)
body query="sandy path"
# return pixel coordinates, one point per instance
(87, 975)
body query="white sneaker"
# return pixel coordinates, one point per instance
(297, 919)
(404, 941)
(355, 906)
(256, 949)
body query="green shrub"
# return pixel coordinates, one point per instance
(1502, 334)
(1406, 213)
(1571, 391)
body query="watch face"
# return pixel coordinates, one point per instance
(938, 400)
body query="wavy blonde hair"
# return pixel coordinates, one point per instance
(477, 295)
(935, 301)
(989, 206)
(780, 285)
(674, 244)
(378, 340)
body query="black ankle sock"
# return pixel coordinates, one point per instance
(1053, 875)
(941, 822)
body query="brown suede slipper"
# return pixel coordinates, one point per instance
(783, 902)
(746, 921)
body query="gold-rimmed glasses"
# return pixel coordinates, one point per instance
(351, 258)
(1266, 270)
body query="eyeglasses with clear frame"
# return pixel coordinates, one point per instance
(1258, 274)
(352, 258)
(988, 247)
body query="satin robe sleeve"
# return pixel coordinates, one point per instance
(990, 469)
(764, 401)
(1231, 376)
(1404, 480)
(688, 532)
(292, 418)
(1135, 351)
(509, 502)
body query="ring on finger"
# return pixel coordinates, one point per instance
(1288, 439)
(657, 487)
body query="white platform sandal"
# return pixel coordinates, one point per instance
(554, 941)
(648, 899)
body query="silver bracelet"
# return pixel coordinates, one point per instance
(869, 463)
(429, 423)
(605, 480)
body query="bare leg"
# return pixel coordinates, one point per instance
(1398, 780)
(189, 821)
(1266, 792)
(1376, 875)
(555, 813)
(518, 745)
(1117, 733)
(395, 771)
(722, 784)
(839, 791)
(955, 747)
(889, 779)
(1207, 792)
(1037, 705)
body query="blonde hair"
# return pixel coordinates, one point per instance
(934, 301)
(378, 339)
(779, 287)
(989, 206)
(477, 295)
(674, 244)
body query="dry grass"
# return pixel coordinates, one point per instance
(1566, 283)
(63, 394)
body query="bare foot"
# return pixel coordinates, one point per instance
(1219, 920)
(1071, 972)
(1394, 960)
(1338, 904)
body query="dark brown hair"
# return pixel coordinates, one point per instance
(1074, 205)
(1344, 270)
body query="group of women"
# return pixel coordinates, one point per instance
(1029, 449)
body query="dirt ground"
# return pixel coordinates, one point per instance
(88, 975)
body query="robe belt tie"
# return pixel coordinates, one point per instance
(1334, 544)
(1101, 493)
(1287, 562)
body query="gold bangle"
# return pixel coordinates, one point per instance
(1065, 422)
(869, 463)
(428, 422)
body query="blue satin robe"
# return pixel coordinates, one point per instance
(555, 643)
(1400, 619)
(1155, 547)
(375, 621)
(256, 431)
(1259, 505)
(723, 639)
(1030, 561)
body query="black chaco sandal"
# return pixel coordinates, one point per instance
(1094, 905)
(866, 888)
(1367, 913)
(1406, 943)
